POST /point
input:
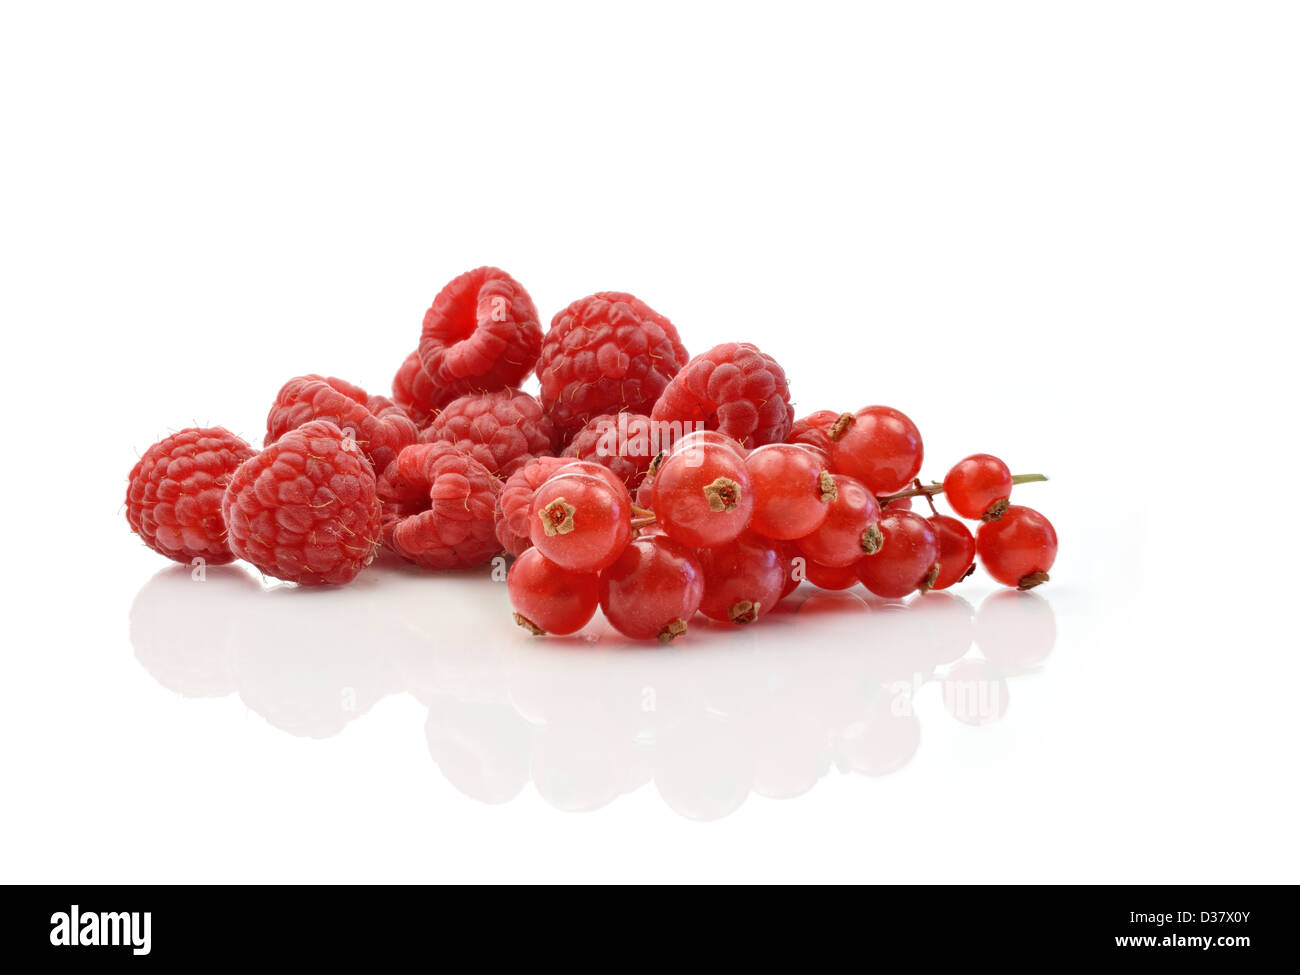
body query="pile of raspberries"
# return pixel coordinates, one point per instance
(438, 472)
(459, 464)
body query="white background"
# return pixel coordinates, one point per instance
(1062, 233)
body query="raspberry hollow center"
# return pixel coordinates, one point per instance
(557, 517)
(723, 494)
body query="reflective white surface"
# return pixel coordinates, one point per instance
(1062, 234)
(829, 683)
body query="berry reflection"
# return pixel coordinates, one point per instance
(591, 717)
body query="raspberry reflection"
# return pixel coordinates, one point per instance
(771, 710)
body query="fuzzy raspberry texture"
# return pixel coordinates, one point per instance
(620, 441)
(500, 430)
(440, 507)
(733, 388)
(173, 496)
(481, 333)
(516, 501)
(814, 430)
(305, 509)
(379, 426)
(607, 353)
(417, 394)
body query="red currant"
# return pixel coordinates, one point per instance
(908, 559)
(580, 522)
(652, 589)
(699, 438)
(850, 530)
(978, 486)
(956, 550)
(792, 490)
(831, 577)
(703, 496)
(548, 598)
(743, 579)
(790, 552)
(877, 445)
(1018, 548)
(592, 469)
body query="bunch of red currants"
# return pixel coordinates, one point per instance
(728, 532)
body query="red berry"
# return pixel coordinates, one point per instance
(173, 496)
(792, 491)
(898, 504)
(978, 486)
(440, 507)
(415, 392)
(908, 559)
(694, 439)
(703, 496)
(1018, 548)
(652, 589)
(480, 334)
(372, 424)
(592, 469)
(850, 530)
(513, 521)
(879, 446)
(581, 522)
(606, 353)
(623, 442)
(789, 552)
(305, 509)
(831, 577)
(743, 579)
(814, 430)
(502, 430)
(956, 550)
(548, 598)
(733, 388)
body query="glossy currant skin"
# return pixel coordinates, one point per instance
(1017, 547)
(580, 522)
(975, 484)
(698, 438)
(831, 577)
(907, 560)
(550, 598)
(792, 491)
(846, 534)
(956, 550)
(743, 579)
(652, 589)
(703, 496)
(879, 446)
(592, 469)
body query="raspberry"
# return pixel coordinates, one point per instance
(440, 505)
(516, 500)
(173, 497)
(481, 333)
(304, 509)
(622, 442)
(416, 392)
(606, 353)
(733, 388)
(501, 430)
(378, 426)
(814, 430)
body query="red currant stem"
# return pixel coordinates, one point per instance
(930, 490)
(642, 512)
(644, 521)
(928, 498)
